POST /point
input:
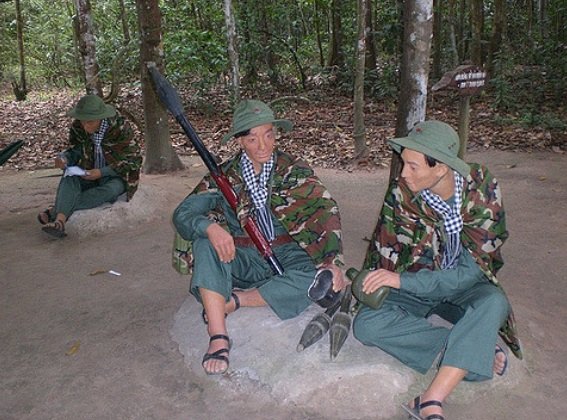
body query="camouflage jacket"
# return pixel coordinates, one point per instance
(409, 233)
(121, 152)
(298, 200)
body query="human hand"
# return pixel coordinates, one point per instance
(60, 162)
(338, 278)
(376, 279)
(92, 175)
(222, 242)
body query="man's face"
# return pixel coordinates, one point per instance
(259, 145)
(91, 126)
(418, 174)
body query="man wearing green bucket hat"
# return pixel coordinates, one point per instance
(102, 163)
(437, 247)
(292, 208)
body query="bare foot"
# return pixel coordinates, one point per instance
(215, 361)
(500, 361)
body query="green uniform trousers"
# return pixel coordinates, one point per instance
(401, 329)
(75, 193)
(286, 294)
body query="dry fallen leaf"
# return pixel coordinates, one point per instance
(74, 348)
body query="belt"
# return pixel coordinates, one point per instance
(246, 242)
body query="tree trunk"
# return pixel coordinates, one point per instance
(317, 23)
(418, 29)
(370, 62)
(498, 27)
(232, 51)
(452, 19)
(336, 55)
(160, 156)
(437, 39)
(269, 56)
(360, 149)
(124, 20)
(87, 47)
(20, 88)
(477, 24)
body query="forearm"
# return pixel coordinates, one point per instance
(435, 283)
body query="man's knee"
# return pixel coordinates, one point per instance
(493, 301)
(365, 327)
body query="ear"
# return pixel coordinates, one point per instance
(442, 169)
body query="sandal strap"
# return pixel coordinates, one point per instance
(430, 403)
(236, 301)
(219, 337)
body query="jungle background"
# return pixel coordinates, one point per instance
(298, 55)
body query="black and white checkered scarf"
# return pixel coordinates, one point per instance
(257, 187)
(97, 137)
(452, 221)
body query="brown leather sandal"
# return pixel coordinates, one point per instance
(46, 216)
(414, 412)
(221, 354)
(56, 229)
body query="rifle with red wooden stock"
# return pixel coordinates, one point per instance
(169, 97)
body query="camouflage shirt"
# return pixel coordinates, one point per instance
(298, 200)
(410, 234)
(121, 152)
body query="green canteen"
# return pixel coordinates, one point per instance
(374, 300)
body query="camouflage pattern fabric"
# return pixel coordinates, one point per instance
(298, 200)
(119, 146)
(409, 234)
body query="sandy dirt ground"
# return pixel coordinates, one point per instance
(79, 346)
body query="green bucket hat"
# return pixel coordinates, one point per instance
(250, 113)
(435, 139)
(91, 107)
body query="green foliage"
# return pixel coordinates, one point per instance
(193, 43)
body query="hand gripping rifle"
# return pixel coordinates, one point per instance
(168, 96)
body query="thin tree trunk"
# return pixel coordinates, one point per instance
(477, 25)
(87, 47)
(232, 51)
(269, 56)
(371, 60)
(437, 38)
(360, 149)
(336, 55)
(498, 27)
(20, 88)
(317, 23)
(418, 29)
(124, 20)
(160, 156)
(452, 19)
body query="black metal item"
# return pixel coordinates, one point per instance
(9, 150)
(321, 290)
(316, 328)
(169, 97)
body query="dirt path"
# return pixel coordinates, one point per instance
(126, 364)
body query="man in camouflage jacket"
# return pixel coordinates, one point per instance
(437, 246)
(106, 159)
(294, 211)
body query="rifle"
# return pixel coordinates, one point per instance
(168, 96)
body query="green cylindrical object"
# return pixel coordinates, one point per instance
(375, 299)
(338, 332)
(314, 331)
